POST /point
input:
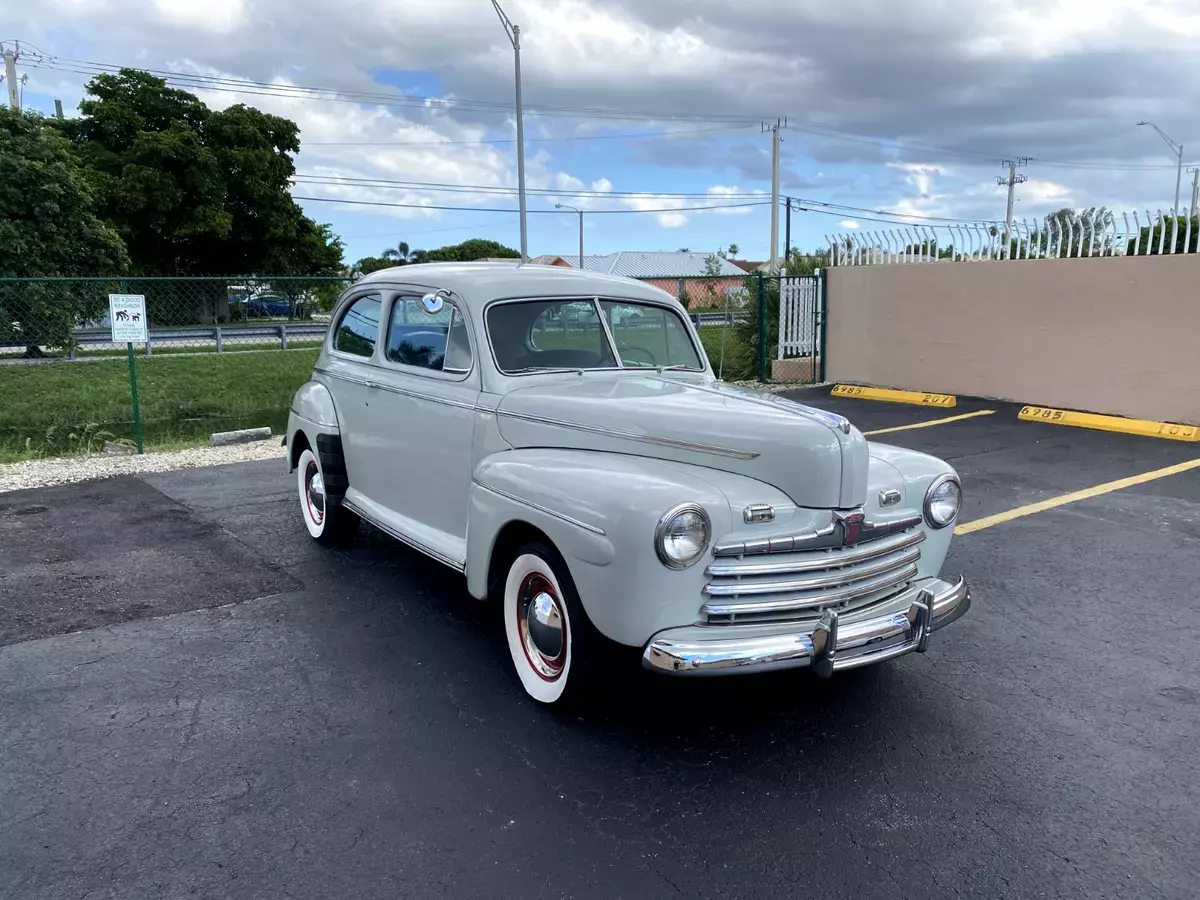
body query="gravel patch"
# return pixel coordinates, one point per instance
(67, 470)
(774, 387)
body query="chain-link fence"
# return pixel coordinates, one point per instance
(227, 353)
(220, 354)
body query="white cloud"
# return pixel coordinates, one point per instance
(848, 223)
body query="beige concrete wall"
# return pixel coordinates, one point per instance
(1118, 335)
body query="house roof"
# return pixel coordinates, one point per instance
(749, 265)
(552, 260)
(657, 264)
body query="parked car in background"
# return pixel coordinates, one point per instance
(266, 306)
(559, 437)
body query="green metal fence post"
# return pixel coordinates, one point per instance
(133, 394)
(762, 328)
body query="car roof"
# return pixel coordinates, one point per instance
(477, 283)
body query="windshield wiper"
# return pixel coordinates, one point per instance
(575, 369)
(676, 367)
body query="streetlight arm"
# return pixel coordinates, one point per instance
(1178, 148)
(509, 28)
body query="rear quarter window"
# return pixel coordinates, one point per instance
(358, 329)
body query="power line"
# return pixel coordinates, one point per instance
(592, 137)
(295, 91)
(489, 209)
(251, 87)
(446, 187)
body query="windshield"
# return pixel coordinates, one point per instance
(536, 335)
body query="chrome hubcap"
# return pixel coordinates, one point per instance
(543, 630)
(316, 494)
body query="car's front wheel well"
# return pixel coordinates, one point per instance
(512, 537)
(299, 445)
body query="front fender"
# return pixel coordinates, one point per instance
(913, 472)
(600, 511)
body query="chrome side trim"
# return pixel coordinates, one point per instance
(362, 382)
(405, 539)
(632, 436)
(759, 607)
(417, 395)
(542, 509)
(819, 563)
(828, 538)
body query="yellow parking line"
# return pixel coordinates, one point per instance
(982, 412)
(989, 521)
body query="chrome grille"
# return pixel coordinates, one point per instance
(800, 584)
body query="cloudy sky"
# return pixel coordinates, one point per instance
(894, 109)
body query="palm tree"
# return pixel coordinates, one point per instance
(734, 250)
(400, 253)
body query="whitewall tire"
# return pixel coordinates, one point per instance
(325, 518)
(550, 639)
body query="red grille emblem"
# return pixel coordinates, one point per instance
(851, 525)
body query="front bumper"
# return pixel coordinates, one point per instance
(901, 624)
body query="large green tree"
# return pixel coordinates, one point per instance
(467, 251)
(48, 226)
(194, 191)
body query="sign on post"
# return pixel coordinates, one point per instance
(127, 315)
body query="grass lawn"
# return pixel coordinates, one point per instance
(50, 408)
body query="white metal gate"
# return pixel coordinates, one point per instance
(800, 311)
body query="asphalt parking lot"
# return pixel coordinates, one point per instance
(198, 701)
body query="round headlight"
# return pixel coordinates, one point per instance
(682, 535)
(942, 501)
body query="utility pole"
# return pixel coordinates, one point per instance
(514, 36)
(1195, 170)
(10, 75)
(1012, 181)
(787, 232)
(580, 211)
(779, 123)
(1178, 154)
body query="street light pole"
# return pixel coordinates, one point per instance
(514, 36)
(580, 211)
(1178, 148)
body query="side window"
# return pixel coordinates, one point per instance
(359, 327)
(649, 336)
(434, 339)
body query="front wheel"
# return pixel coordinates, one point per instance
(550, 638)
(328, 522)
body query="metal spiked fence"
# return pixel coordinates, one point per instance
(1092, 233)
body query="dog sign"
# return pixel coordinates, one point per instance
(127, 315)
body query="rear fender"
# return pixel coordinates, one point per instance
(314, 416)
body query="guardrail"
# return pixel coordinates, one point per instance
(699, 319)
(217, 334)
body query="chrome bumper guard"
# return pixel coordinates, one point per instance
(830, 644)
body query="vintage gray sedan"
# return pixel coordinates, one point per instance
(560, 438)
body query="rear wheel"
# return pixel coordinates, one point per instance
(550, 639)
(327, 520)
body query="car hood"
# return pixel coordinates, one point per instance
(818, 459)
